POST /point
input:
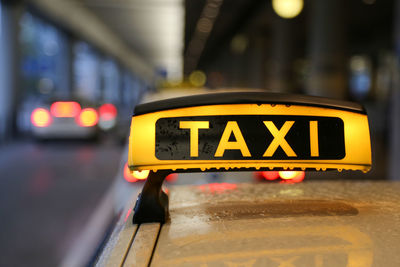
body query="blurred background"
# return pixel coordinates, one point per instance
(72, 71)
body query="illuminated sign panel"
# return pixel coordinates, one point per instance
(247, 137)
(242, 131)
(297, 134)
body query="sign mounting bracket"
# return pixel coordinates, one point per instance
(152, 204)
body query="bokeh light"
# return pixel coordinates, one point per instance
(287, 8)
(41, 117)
(198, 78)
(88, 117)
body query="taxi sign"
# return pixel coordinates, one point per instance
(268, 137)
(249, 130)
(242, 131)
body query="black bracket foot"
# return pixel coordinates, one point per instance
(152, 203)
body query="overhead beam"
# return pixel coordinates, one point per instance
(75, 17)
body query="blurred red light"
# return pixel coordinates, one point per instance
(107, 112)
(127, 214)
(88, 117)
(128, 175)
(65, 109)
(300, 177)
(172, 177)
(270, 175)
(218, 188)
(40, 117)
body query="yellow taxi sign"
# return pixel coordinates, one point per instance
(255, 130)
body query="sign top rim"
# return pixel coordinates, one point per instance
(247, 97)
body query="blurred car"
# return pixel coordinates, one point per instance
(65, 119)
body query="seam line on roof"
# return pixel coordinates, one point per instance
(155, 245)
(129, 247)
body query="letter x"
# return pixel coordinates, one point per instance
(279, 139)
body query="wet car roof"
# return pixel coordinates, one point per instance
(308, 224)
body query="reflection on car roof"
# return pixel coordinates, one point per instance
(310, 224)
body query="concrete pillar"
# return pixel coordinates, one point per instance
(279, 73)
(120, 85)
(326, 49)
(9, 68)
(256, 63)
(394, 106)
(65, 67)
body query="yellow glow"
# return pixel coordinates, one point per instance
(356, 133)
(288, 174)
(88, 117)
(197, 78)
(287, 8)
(141, 175)
(40, 117)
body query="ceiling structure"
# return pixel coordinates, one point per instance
(164, 32)
(232, 17)
(139, 34)
(152, 28)
(365, 20)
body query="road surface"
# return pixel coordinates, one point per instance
(48, 192)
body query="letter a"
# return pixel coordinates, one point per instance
(224, 143)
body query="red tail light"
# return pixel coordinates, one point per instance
(171, 177)
(88, 117)
(40, 117)
(270, 175)
(128, 175)
(65, 109)
(107, 112)
(292, 176)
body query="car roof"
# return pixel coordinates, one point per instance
(308, 224)
(55, 98)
